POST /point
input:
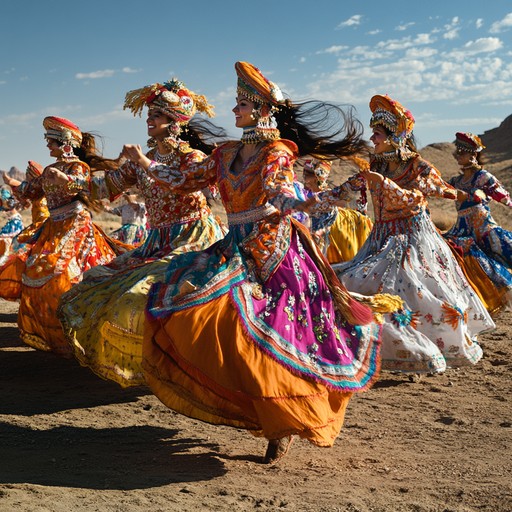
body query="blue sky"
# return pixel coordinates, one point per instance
(449, 62)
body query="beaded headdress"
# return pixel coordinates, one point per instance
(253, 85)
(171, 98)
(396, 118)
(321, 169)
(62, 130)
(468, 142)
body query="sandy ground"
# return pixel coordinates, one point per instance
(70, 441)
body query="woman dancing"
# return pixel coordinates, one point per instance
(405, 254)
(256, 332)
(65, 246)
(103, 316)
(486, 247)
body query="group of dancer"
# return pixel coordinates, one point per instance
(271, 321)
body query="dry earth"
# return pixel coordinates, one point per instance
(70, 441)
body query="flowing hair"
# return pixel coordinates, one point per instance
(325, 131)
(203, 135)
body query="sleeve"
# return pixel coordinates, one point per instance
(398, 199)
(195, 173)
(494, 189)
(344, 192)
(114, 183)
(32, 189)
(79, 177)
(430, 183)
(279, 181)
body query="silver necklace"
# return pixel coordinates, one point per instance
(164, 159)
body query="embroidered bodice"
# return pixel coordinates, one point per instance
(481, 180)
(164, 205)
(404, 194)
(266, 178)
(57, 194)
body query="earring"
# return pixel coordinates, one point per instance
(67, 150)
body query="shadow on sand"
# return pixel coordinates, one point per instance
(135, 457)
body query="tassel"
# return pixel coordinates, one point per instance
(136, 100)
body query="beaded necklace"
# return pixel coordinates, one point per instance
(399, 171)
(164, 159)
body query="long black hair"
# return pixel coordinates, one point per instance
(203, 135)
(322, 130)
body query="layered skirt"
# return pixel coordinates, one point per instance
(47, 265)
(274, 357)
(103, 316)
(442, 315)
(486, 250)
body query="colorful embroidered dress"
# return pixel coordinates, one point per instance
(133, 223)
(66, 245)
(246, 333)
(8, 233)
(406, 255)
(103, 316)
(486, 247)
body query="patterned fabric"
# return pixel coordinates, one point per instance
(54, 258)
(163, 205)
(483, 242)
(347, 235)
(406, 255)
(10, 229)
(112, 298)
(264, 348)
(133, 219)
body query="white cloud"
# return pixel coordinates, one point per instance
(374, 32)
(404, 26)
(130, 70)
(451, 34)
(352, 21)
(105, 73)
(500, 26)
(479, 22)
(483, 45)
(405, 42)
(418, 53)
(335, 49)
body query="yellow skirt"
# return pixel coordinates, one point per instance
(347, 234)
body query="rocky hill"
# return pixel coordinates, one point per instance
(15, 173)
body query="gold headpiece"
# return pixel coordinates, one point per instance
(171, 98)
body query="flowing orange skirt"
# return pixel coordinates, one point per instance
(198, 360)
